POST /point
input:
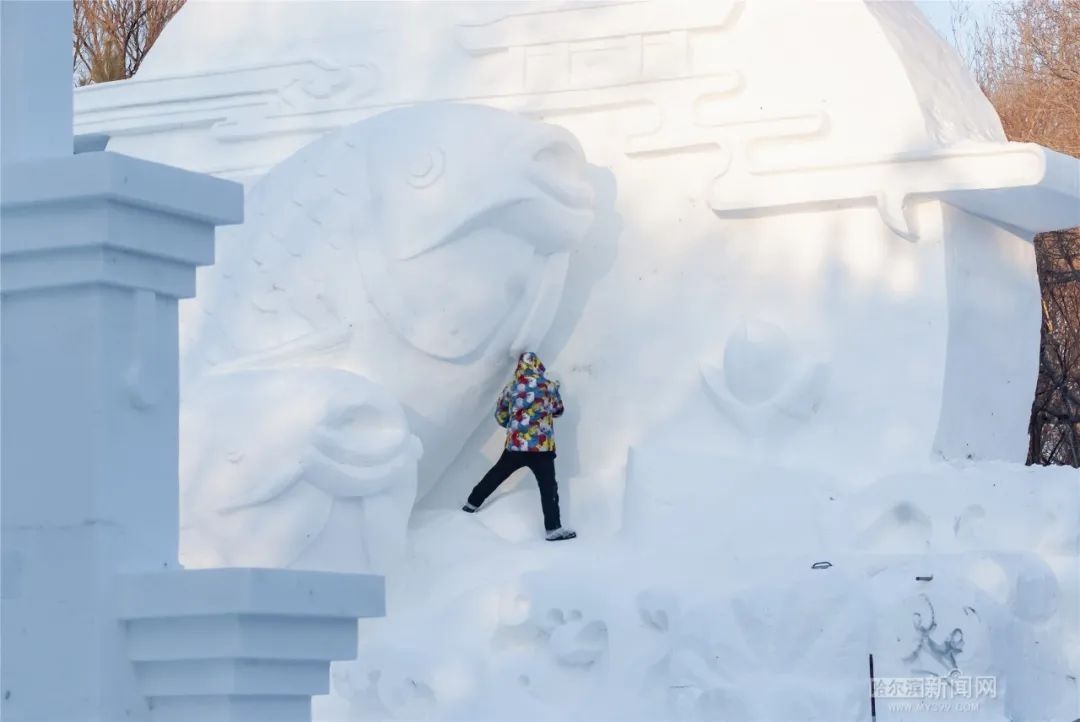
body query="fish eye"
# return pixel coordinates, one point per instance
(427, 168)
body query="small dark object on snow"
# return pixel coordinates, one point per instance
(873, 698)
(928, 578)
(821, 565)
(469, 508)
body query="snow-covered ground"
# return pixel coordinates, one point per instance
(706, 605)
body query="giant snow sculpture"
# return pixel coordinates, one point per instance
(862, 199)
(401, 260)
(822, 278)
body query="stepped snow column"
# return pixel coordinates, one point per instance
(97, 248)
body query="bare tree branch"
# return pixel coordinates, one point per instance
(112, 37)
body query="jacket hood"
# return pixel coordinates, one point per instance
(529, 364)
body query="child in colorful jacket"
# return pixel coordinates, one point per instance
(527, 409)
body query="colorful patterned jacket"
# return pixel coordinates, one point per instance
(528, 407)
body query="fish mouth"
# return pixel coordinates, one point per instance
(557, 205)
(362, 434)
(557, 169)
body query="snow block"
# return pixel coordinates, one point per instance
(240, 644)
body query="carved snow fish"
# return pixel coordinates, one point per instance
(421, 249)
(312, 468)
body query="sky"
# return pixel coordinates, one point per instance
(939, 12)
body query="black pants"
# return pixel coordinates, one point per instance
(541, 464)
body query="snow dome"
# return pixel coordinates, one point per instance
(797, 280)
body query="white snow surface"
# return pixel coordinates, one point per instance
(705, 605)
(781, 338)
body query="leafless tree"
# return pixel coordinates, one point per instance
(112, 37)
(1055, 415)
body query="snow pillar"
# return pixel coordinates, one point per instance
(35, 68)
(97, 249)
